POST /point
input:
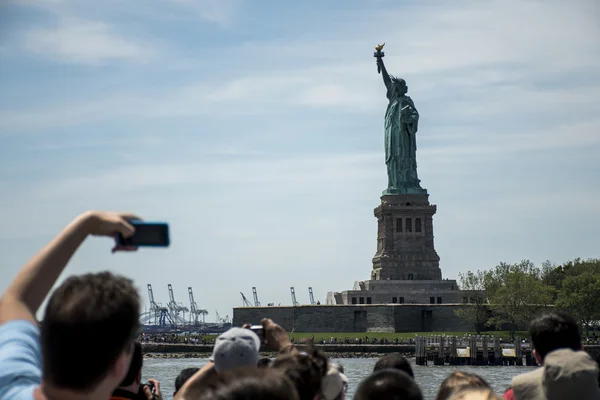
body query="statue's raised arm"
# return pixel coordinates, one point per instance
(381, 66)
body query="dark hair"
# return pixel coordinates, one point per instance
(135, 367)
(183, 377)
(93, 317)
(306, 370)
(394, 361)
(264, 362)
(459, 380)
(388, 384)
(554, 331)
(245, 383)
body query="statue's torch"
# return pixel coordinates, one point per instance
(379, 55)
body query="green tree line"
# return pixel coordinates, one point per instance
(509, 296)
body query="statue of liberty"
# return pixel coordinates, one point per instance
(401, 124)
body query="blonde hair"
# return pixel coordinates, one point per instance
(458, 381)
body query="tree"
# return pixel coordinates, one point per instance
(516, 292)
(476, 311)
(579, 297)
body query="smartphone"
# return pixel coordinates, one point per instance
(147, 234)
(260, 332)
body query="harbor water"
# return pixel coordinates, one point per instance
(429, 377)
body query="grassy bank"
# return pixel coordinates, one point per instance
(404, 336)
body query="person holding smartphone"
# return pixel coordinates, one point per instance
(70, 356)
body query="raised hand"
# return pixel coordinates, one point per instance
(110, 224)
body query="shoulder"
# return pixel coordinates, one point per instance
(531, 376)
(524, 385)
(20, 360)
(22, 336)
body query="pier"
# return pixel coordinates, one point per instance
(472, 350)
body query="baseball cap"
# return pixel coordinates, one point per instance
(333, 383)
(566, 374)
(236, 347)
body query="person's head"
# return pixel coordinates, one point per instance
(388, 384)
(566, 374)
(553, 331)
(459, 381)
(88, 333)
(237, 347)
(400, 85)
(183, 377)
(334, 384)
(394, 361)
(133, 379)
(476, 394)
(249, 383)
(306, 371)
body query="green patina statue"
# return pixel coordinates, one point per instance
(401, 124)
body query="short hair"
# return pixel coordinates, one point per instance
(553, 331)
(90, 319)
(135, 367)
(394, 361)
(460, 380)
(245, 383)
(183, 377)
(264, 362)
(388, 384)
(306, 370)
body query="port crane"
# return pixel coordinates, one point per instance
(195, 312)
(175, 308)
(158, 314)
(255, 294)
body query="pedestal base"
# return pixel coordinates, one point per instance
(395, 191)
(405, 248)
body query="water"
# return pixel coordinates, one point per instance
(429, 378)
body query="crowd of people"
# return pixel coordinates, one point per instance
(86, 347)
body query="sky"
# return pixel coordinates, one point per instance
(255, 129)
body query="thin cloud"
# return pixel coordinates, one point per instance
(222, 12)
(84, 41)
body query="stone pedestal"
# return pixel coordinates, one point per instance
(405, 249)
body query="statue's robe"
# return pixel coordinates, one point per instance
(401, 125)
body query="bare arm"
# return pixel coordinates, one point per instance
(35, 280)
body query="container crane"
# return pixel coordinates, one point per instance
(311, 296)
(255, 294)
(158, 315)
(245, 301)
(195, 312)
(176, 308)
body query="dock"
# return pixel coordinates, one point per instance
(472, 350)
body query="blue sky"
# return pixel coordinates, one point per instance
(255, 129)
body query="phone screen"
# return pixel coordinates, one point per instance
(147, 234)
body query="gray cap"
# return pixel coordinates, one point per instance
(236, 347)
(566, 374)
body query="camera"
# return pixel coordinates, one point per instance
(259, 331)
(142, 395)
